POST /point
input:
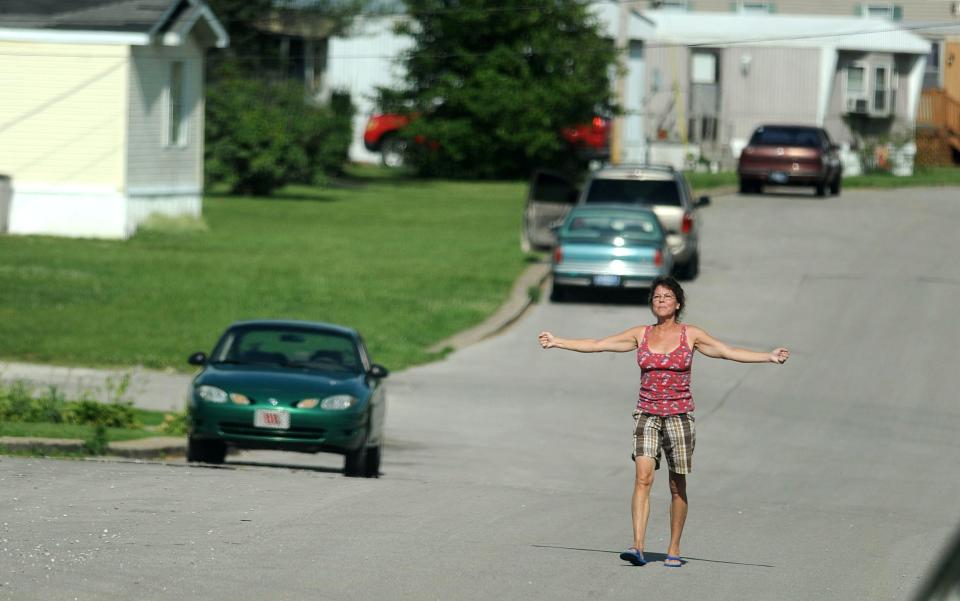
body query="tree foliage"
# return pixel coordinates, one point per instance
(262, 128)
(495, 81)
(262, 135)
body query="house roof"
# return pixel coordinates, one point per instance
(136, 22)
(738, 29)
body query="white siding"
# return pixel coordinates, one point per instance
(359, 63)
(155, 167)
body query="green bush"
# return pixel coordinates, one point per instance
(174, 424)
(262, 135)
(94, 413)
(18, 403)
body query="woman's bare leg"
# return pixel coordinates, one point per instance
(641, 498)
(678, 511)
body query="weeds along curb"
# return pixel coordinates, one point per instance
(145, 448)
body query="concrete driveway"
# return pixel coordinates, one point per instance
(507, 473)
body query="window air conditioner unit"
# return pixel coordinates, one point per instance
(856, 104)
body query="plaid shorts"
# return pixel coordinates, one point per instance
(675, 435)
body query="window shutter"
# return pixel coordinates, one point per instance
(771, 8)
(858, 10)
(897, 12)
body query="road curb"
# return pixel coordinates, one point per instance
(511, 310)
(155, 447)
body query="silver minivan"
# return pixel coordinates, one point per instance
(551, 195)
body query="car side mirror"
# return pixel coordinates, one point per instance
(703, 201)
(833, 147)
(197, 359)
(378, 371)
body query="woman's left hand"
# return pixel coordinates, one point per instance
(779, 355)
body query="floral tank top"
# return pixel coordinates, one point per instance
(665, 378)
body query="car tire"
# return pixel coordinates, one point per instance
(206, 451)
(393, 152)
(745, 187)
(691, 269)
(822, 189)
(371, 469)
(835, 186)
(558, 293)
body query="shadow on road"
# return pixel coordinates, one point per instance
(651, 556)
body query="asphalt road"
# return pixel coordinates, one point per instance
(507, 473)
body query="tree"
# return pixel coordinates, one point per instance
(495, 81)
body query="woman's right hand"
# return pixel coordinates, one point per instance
(547, 340)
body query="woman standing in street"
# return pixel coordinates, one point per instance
(664, 414)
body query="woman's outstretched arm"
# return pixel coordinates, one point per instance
(711, 347)
(618, 343)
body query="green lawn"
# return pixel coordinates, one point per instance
(924, 176)
(407, 262)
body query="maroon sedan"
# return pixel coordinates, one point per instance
(790, 155)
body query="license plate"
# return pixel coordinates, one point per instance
(606, 280)
(779, 177)
(266, 418)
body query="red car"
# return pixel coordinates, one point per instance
(790, 155)
(381, 135)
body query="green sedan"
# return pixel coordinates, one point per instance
(292, 386)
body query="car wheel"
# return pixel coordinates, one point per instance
(691, 269)
(206, 451)
(393, 152)
(835, 186)
(745, 187)
(372, 467)
(822, 189)
(558, 293)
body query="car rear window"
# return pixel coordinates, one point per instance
(599, 226)
(634, 191)
(786, 136)
(326, 351)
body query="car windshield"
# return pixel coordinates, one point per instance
(634, 191)
(288, 347)
(785, 136)
(631, 227)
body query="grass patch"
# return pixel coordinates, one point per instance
(167, 224)
(924, 176)
(76, 431)
(406, 262)
(704, 181)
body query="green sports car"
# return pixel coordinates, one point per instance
(292, 386)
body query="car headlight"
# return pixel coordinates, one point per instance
(212, 394)
(338, 401)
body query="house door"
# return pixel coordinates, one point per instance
(951, 70)
(704, 96)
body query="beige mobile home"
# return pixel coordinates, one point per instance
(101, 112)
(714, 77)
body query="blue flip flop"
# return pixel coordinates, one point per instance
(675, 558)
(634, 556)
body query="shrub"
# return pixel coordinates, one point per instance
(174, 424)
(19, 403)
(90, 412)
(262, 135)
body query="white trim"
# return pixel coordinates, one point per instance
(8, 34)
(915, 86)
(182, 190)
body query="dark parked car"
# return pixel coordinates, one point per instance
(790, 155)
(662, 189)
(288, 385)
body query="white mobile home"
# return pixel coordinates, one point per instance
(101, 112)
